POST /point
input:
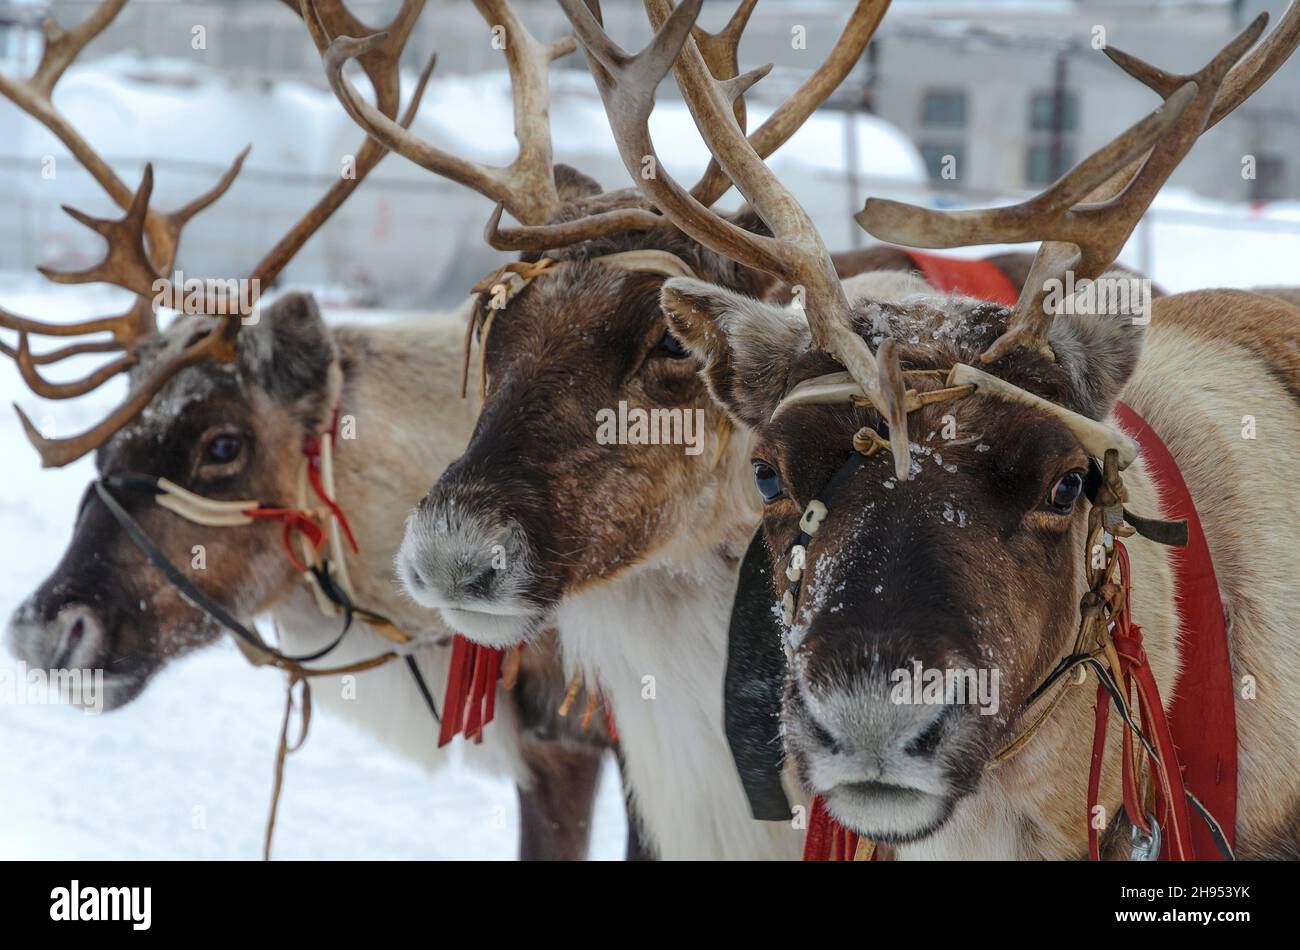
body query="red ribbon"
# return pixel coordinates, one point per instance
(1202, 710)
(469, 703)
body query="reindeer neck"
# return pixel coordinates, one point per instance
(401, 422)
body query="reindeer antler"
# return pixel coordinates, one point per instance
(142, 245)
(1085, 218)
(526, 186)
(814, 90)
(795, 252)
(719, 52)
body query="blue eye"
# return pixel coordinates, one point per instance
(768, 481)
(671, 347)
(223, 449)
(1066, 492)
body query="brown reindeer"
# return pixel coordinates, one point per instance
(628, 550)
(222, 409)
(918, 511)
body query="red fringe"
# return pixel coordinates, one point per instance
(469, 703)
(827, 839)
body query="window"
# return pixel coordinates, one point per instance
(945, 163)
(1042, 110)
(944, 109)
(1039, 169)
(1270, 179)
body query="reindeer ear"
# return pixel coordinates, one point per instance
(747, 345)
(291, 355)
(573, 184)
(1099, 352)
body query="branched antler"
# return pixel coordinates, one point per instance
(721, 50)
(814, 90)
(142, 245)
(720, 53)
(795, 252)
(1085, 218)
(527, 185)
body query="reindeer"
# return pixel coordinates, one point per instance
(639, 581)
(888, 544)
(628, 551)
(221, 410)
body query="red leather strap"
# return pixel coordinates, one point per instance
(1202, 714)
(293, 520)
(974, 278)
(470, 700)
(821, 834)
(311, 448)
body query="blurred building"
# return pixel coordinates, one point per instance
(989, 98)
(1011, 92)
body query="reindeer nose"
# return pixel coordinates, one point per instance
(74, 638)
(887, 730)
(455, 555)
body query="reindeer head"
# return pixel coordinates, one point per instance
(219, 404)
(222, 430)
(554, 492)
(548, 499)
(970, 564)
(925, 519)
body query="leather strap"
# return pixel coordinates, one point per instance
(752, 691)
(1203, 716)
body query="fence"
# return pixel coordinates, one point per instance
(404, 241)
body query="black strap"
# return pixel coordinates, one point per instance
(134, 481)
(339, 597)
(191, 593)
(752, 691)
(423, 687)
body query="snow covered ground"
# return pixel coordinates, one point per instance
(185, 771)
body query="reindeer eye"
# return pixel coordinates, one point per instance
(1066, 492)
(223, 449)
(768, 481)
(669, 346)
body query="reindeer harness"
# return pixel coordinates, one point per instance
(313, 528)
(1190, 747)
